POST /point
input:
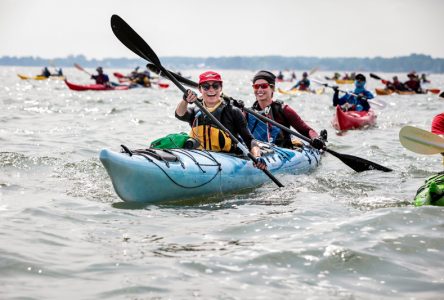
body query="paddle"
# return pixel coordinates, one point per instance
(79, 67)
(379, 103)
(421, 141)
(135, 43)
(356, 163)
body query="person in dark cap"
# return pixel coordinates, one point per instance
(303, 84)
(45, 72)
(413, 84)
(351, 102)
(263, 88)
(206, 131)
(101, 78)
(395, 85)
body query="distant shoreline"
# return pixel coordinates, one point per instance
(417, 62)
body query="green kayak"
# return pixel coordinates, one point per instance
(432, 192)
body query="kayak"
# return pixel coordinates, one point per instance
(432, 192)
(345, 120)
(125, 79)
(344, 81)
(386, 92)
(295, 92)
(39, 77)
(94, 87)
(154, 175)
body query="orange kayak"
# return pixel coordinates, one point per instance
(344, 81)
(385, 92)
(345, 120)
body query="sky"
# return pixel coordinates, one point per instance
(203, 28)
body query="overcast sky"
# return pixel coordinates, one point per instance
(327, 28)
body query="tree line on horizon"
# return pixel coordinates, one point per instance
(417, 62)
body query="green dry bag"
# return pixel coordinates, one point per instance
(171, 141)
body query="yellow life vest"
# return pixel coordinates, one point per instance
(210, 137)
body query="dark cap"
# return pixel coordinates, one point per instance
(265, 75)
(360, 77)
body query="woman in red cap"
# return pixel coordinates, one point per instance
(263, 87)
(204, 130)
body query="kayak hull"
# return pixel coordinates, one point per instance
(296, 92)
(39, 77)
(145, 178)
(386, 92)
(344, 81)
(346, 120)
(94, 87)
(432, 192)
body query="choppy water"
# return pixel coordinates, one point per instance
(64, 234)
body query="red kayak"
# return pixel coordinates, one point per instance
(94, 87)
(345, 120)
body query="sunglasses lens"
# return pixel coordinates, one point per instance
(260, 85)
(207, 86)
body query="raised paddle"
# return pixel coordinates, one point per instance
(135, 43)
(421, 141)
(79, 67)
(356, 163)
(379, 103)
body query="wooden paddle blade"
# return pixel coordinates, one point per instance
(185, 81)
(132, 40)
(375, 76)
(421, 141)
(358, 164)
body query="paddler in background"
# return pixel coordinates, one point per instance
(350, 102)
(204, 130)
(414, 84)
(395, 85)
(101, 78)
(280, 76)
(424, 78)
(303, 84)
(263, 87)
(45, 72)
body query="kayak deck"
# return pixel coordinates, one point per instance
(94, 87)
(345, 120)
(153, 175)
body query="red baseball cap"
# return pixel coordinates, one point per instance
(438, 124)
(209, 76)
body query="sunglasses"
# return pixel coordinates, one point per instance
(207, 86)
(261, 85)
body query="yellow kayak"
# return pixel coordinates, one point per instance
(295, 92)
(386, 92)
(344, 81)
(39, 77)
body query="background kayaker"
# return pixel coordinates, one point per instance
(424, 78)
(101, 78)
(350, 102)
(203, 128)
(263, 87)
(414, 84)
(396, 85)
(45, 72)
(302, 84)
(280, 76)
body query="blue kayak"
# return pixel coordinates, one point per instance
(153, 175)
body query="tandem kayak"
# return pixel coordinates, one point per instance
(39, 77)
(344, 81)
(94, 87)
(345, 120)
(296, 92)
(153, 175)
(386, 92)
(432, 192)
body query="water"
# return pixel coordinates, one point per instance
(333, 234)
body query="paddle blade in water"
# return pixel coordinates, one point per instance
(358, 164)
(421, 141)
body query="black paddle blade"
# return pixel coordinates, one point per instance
(132, 40)
(358, 164)
(185, 81)
(375, 76)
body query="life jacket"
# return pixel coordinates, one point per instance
(304, 84)
(208, 134)
(266, 132)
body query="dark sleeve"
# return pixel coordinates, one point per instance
(240, 123)
(297, 123)
(188, 116)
